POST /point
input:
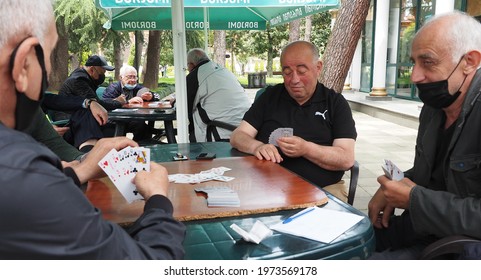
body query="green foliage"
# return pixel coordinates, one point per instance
(321, 30)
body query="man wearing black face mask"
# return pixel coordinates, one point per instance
(85, 130)
(441, 193)
(43, 214)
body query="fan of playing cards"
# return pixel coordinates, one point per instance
(280, 132)
(392, 171)
(122, 166)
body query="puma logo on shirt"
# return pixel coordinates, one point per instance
(321, 114)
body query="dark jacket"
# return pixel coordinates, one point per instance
(79, 83)
(457, 210)
(44, 214)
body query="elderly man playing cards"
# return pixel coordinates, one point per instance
(301, 124)
(441, 193)
(43, 213)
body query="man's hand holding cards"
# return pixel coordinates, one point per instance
(280, 132)
(392, 171)
(122, 166)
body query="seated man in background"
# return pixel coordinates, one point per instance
(42, 212)
(85, 130)
(63, 103)
(127, 90)
(322, 145)
(213, 94)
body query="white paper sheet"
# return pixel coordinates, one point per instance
(321, 224)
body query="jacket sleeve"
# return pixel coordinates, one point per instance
(111, 92)
(44, 133)
(442, 213)
(56, 221)
(62, 102)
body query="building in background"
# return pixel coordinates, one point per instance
(381, 64)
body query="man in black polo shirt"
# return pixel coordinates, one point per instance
(324, 132)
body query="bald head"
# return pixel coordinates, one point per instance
(302, 47)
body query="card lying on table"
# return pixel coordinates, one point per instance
(122, 166)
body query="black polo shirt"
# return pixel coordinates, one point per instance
(324, 117)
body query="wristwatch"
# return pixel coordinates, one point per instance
(90, 101)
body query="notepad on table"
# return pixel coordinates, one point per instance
(318, 224)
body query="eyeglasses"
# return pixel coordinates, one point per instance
(131, 77)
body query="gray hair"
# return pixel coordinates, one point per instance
(196, 56)
(125, 69)
(23, 18)
(311, 47)
(462, 34)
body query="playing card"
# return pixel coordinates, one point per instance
(122, 166)
(392, 171)
(280, 132)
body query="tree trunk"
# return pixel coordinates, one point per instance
(342, 43)
(151, 78)
(60, 63)
(139, 43)
(294, 30)
(308, 29)
(219, 47)
(118, 59)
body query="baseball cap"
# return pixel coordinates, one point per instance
(97, 60)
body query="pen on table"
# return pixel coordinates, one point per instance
(290, 219)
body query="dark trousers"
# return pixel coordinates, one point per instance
(399, 241)
(83, 127)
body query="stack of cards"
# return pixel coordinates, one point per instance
(215, 173)
(220, 196)
(122, 166)
(280, 132)
(392, 171)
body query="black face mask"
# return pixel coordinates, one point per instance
(26, 108)
(100, 80)
(436, 94)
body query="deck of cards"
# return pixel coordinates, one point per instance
(220, 196)
(216, 173)
(392, 171)
(280, 132)
(122, 166)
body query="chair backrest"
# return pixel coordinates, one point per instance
(212, 130)
(353, 182)
(100, 92)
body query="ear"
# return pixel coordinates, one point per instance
(319, 67)
(21, 63)
(473, 59)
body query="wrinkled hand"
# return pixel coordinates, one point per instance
(379, 211)
(60, 130)
(136, 100)
(268, 152)
(292, 146)
(151, 183)
(99, 113)
(390, 195)
(146, 96)
(88, 169)
(396, 192)
(122, 99)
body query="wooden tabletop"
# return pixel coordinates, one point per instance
(262, 187)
